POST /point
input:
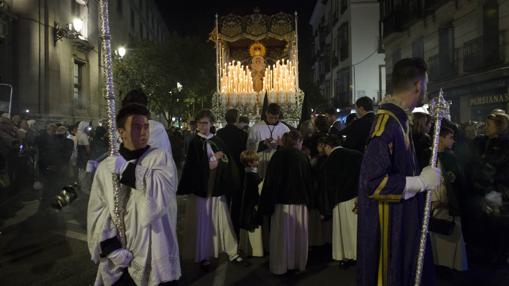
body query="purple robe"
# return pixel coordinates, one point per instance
(389, 226)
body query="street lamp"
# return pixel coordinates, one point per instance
(77, 24)
(73, 31)
(121, 51)
(179, 86)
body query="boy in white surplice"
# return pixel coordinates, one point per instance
(148, 186)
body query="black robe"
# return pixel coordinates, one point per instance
(289, 180)
(195, 174)
(340, 181)
(249, 218)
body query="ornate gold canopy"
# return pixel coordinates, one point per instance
(280, 26)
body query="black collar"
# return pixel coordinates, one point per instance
(132, 155)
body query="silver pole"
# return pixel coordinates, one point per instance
(439, 109)
(218, 67)
(296, 51)
(118, 210)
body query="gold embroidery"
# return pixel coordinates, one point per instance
(383, 260)
(387, 198)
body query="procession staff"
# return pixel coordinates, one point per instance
(391, 198)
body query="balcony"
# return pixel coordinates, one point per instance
(442, 66)
(478, 54)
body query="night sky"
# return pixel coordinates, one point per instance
(196, 18)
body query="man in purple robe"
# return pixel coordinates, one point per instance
(391, 191)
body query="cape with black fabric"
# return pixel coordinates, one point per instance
(340, 181)
(249, 219)
(288, 180)
(357, 133)
(195, 174)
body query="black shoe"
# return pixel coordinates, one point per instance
(240, 261)
(343, 264)
(205, 265)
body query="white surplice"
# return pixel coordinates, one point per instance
(344, 231)
(288, 238)
(259, 132)
(150, 221)
(214, 229)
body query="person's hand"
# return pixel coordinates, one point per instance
(219, 155)
(121, 257)
(355, 209)
(270, 143)
(430, 178)
(213, 164)
(116, 164)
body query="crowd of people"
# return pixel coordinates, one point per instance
(272, 189)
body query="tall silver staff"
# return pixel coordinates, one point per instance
(439, 109)
(118, 210)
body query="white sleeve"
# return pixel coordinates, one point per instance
(100, 225)
(253, 138)
(158, 186)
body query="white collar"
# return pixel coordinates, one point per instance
(205, 136)
(251, 169)
(335, 148)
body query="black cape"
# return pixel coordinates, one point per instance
(249, 218)
(288, 180)
(195, 174)
(340, 179)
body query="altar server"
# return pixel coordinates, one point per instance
(148, 182)
(285, 197)
(250, 220)
(265, 136)
(209, 174)
(338, 187)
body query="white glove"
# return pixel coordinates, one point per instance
(116, 164)
(121, 257)
(430, 177)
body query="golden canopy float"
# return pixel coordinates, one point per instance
(257, 56)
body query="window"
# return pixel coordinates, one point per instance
(418, 49)
(343, 42)
(446, 49)
(133, 21)
(119, 7)
(141, 30)
(140, 4)
(491, 32)
(77, 85)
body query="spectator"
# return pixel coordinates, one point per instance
(421, 127)
(358, 132)
(448, 249)
(235, 141)
(334, 121)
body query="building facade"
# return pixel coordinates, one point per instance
(348, 61)
(50, 52)
(465, 44)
